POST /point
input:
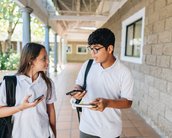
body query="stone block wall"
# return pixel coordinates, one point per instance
(153, 78)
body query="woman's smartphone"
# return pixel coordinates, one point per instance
(39, 98)
(73, 91)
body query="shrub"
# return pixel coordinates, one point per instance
(9, 61)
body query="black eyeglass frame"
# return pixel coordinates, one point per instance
(95, 50)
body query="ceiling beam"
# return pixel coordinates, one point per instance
(65, 5)
(75, 12)
(85, 5)
(80, 18)
(78, 6)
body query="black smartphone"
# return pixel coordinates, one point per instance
(73, 91)
(39, 98)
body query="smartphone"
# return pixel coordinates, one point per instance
(39, 98)
(73, 91)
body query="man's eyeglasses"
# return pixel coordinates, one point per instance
(95, 50)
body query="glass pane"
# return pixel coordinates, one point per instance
(82, 49)
(137, 38)
(129, 43)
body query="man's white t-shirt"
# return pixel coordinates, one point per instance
(32, 122)
(113, 82)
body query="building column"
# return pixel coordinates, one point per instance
(26, 11)
(18, 47)
(47, 42)
(60, 52)
(64, 45)
(55, 53)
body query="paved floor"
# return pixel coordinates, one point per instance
(67, 123)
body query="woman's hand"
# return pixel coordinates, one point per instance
(26, 104)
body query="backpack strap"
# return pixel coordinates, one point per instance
(6, 123)
(79, 109)
(86, 73)
(10, 84)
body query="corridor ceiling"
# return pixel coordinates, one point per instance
(81, 17)
(74, 19)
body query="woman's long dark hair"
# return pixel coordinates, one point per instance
(29, 53)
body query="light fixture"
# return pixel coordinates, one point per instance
(88, 28)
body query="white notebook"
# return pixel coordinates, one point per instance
(72, 101)
(84, 105)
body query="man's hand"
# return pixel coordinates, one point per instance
(100, 103)
(78, 95)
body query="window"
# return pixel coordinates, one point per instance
(69, 49)
(132, 37)
(133, 41)
(81, 49)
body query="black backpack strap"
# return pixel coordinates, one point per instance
(6, 123)
(86, 73)
(79, 109)
(10, 84)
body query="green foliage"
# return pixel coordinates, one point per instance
(10, 15)
(3, 58)
(37, 30)
(9, 61)
(9, 18)
(9, 11)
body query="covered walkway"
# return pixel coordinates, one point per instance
(67, 123)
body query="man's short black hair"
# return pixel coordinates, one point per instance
(102, 36)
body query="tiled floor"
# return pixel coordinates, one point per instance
(67, 123)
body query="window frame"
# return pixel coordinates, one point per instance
(80, 53)
(140, 15)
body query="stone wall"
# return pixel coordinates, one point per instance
(153, 78)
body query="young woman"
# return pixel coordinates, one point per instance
(32, 118)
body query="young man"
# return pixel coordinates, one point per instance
(109, 87)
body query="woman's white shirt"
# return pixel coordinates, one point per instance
(32, 122)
